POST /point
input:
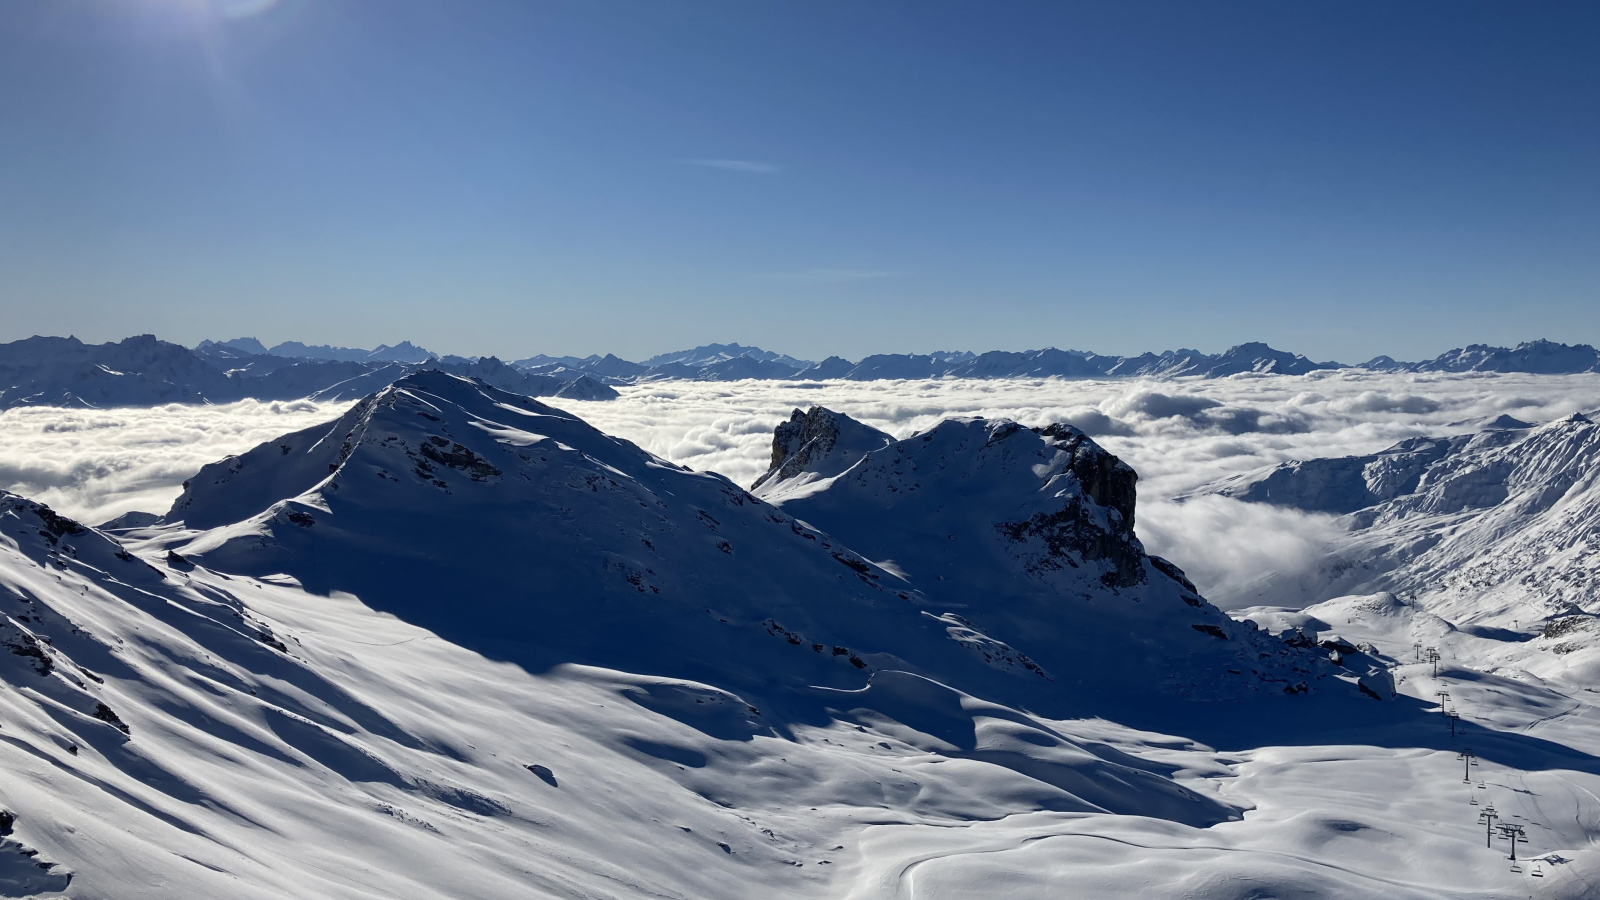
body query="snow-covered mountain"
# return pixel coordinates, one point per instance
(1493, 533)
(403, 352)
(1039, 524)
(145, 371)
(461, 644)
(521, 381)
(1537, 357)
(712, 354)
(493, 473)
(718, 362)
(137, 371)
(245, 346)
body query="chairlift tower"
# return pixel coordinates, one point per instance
(1469, 759)
(1513, 833)
(1431, 655)
(1487, 817)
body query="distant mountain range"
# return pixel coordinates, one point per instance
(405, 351)
(143, 370)
(733, 362)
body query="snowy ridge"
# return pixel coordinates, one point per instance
(500, 478)
(1493, 533)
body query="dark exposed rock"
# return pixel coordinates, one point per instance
(57, 524)
(1212, 630)
(1567, 625)
(1075, 530)
(1176, 574)
(1298, 638)
(106, 714)
(458, 457)
(1106, 479)
(858, 565)
(810, 438)
(1072, 531)
(27, 646)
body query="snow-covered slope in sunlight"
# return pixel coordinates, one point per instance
(1495, 534)
(227, 736)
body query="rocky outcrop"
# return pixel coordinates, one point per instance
(819, 442)
(1106, 479)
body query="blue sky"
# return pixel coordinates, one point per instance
(513, 176)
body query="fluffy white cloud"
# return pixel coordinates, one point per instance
(95, 464)
(1179, 435)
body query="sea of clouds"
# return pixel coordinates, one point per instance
(1179, 435)
(95, 464)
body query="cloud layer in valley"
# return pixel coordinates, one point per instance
(1179, 435)
(95, 464)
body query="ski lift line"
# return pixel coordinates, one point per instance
(1513, 834)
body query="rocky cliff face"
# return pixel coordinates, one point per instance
(1095, 525)
(819, 442)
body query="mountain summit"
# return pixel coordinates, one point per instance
(481, 514)
(1027, 535)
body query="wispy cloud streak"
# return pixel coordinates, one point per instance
(749, 166)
